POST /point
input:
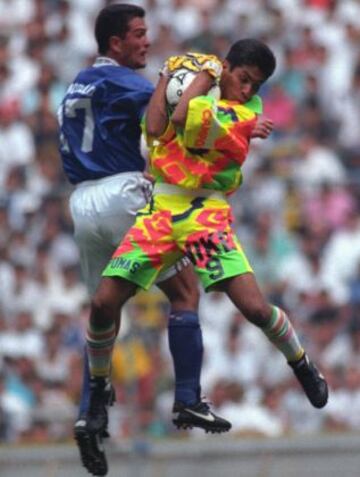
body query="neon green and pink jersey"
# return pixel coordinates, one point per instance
(210, 151)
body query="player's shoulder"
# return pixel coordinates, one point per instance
(129, 78)
(114, 76)
(84, 75)
(253, 106)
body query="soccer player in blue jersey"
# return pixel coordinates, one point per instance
(100, 148)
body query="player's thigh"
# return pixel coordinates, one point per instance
(95, 253)
(180, 285)
(244, 292)
(111, 204)
(102, 213)
(207, 239)
(118, 206)
(220, 265)
(147, 249)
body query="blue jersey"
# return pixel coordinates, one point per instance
(99, 121)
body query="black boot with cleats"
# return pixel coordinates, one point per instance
(91, 428)
(199, 415)
(91, 449)
(312, 381)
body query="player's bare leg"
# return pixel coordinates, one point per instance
(275, 324)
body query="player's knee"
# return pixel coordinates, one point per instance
(258, 313)
(102, 304)
(109, 296)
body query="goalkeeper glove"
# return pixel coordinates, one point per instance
(195, 62)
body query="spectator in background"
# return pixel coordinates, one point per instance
(349, 115)
(206, 39)
(342, 256)
(318, 164)
(17, 147)
(331, 204)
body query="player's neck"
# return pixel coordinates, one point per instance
(105, 60)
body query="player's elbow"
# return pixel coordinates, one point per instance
(178, 120)
(154, 129)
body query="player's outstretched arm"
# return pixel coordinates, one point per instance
(156, 117)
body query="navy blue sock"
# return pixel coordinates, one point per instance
(186, 347)
(85, 391)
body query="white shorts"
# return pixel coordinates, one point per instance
(102, 211)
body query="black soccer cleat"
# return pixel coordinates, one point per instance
(91, 428)
(312, 381)
(91, 449)
(101, 397)
(199, 415)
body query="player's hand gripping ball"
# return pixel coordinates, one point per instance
(183, 69)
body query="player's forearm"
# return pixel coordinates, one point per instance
(198, 87)
(156, 117)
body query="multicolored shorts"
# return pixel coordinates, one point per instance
(177, 224)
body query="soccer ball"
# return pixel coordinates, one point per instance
(178, 83)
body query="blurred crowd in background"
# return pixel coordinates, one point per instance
(297, 215)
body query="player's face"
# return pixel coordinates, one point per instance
(132, 50)
(240, 83)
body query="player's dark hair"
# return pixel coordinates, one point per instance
(113, 20)
(252, 52)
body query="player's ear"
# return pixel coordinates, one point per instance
(115, 44)
(226, 66)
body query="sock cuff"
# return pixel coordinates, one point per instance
(184, 319)
(102, 336)
(275, 311)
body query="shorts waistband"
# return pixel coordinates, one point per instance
(178, 190)
(114, 177)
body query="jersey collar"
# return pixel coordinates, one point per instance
(105, 61)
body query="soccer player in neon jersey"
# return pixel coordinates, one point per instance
(196, 159)
(100, 149)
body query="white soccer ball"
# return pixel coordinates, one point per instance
(178, 83)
